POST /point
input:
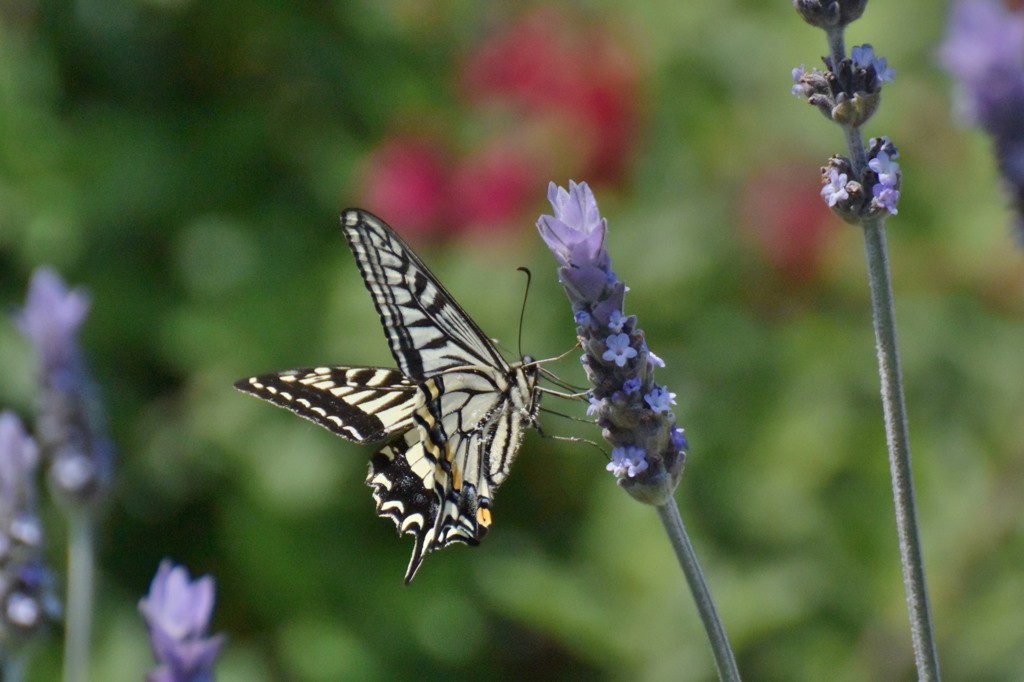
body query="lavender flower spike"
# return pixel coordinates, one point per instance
(646, 457)
(177, 611)
(69, 426)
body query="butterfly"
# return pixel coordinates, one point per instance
(451, 416)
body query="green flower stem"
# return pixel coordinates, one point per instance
(78, 623)
(894, 409)
(724, 658)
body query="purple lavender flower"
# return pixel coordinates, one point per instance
(882, 70)
(177, 611)
(984, 51)
(619, 350)
(800, 89)
(863, 57)
(887, 169)
(834, 190)
(652, 358)
(885, 197)
(616, 321)
(646, 458)
(659, 399)
(69, 425)
(849, 91)
(627, 461)
(679, 439)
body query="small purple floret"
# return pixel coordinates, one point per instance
(659, 399)
(835, 190)
(619, 349)
(885, 197)
(628, 461)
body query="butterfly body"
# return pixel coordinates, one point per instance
(452, 415)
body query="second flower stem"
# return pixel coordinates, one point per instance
(899, 451)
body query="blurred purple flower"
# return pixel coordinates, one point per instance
(52, 316)
(27, 600)
(799, 88)
(984, 51)
(177, 611)
(69, 425)
(19, 457)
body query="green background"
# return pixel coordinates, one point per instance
(185, 161)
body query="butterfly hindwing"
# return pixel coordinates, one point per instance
(437, 482)
(453, 413)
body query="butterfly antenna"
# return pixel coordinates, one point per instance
(522, 311)
(569, 439)
(562, 383)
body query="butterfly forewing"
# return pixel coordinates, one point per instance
(427, 330)
(453, 412)
(360, 404)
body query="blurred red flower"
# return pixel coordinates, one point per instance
(406, 181)
(549, 98)
(790, 224)
(492, 186)
(548, 64)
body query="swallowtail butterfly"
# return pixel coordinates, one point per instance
(451, 416)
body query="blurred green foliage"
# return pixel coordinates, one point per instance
(185, 161)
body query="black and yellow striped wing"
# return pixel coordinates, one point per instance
(453, 413)
(360, 404)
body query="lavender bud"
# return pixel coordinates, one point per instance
(828, 14)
